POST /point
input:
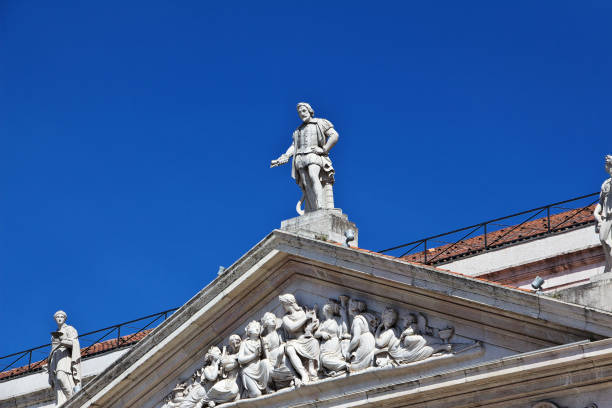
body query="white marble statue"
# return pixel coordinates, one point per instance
(64, 362)
(176, 398)
(406, 346)
(282, 374)
(603, 216)
(255, 370)
(360, 354)
(196, 394)
(307, 349)
(301, 345)
(331, 332)
(311, 167)
(227, 387)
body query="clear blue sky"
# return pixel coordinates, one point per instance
(136, 136)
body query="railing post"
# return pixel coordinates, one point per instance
(118, 335)
(548, 217)
(30, 360)
(425, 251)
(485, 235)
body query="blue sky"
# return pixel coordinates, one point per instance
(136, 136)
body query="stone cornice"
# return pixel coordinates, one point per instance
(176, 345)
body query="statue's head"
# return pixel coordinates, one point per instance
(356, 307)
(234, 342)
(305, 111)
(60, 317)
(253, 329)
(288, 301)
(331, 308)
(269, 321)
(213, 353)
(609, 164)
(389, 317)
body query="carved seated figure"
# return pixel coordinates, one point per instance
(281, 373)
(299, 325)
(255, 370)
(405, 347)
(362, 345)
(227, 388)
(202, 381)
(177, 397)
(331, 332)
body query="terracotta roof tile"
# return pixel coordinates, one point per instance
(505, 236)
(90, 351)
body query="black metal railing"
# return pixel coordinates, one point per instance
(495, 233)
(41, 352)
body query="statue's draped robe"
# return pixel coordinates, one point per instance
(411, 348)
(331, 351)
(605, 201)
(363, 355)
(65, 365)
(256, 370)
(306, 347)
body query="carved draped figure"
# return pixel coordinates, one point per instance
(256, 371)
(331, 357)
(363, 344)
(307, 347)
(410, 348)
(196, 394)
(227, 389)
(279, 368)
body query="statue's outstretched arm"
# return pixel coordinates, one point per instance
(284, 158)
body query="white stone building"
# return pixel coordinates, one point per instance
(512, 346)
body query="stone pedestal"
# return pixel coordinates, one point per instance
(327, 225)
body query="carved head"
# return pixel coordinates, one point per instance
(60, 317)
(234, 343)
(609, 164)
(331, 309)
(389, 317)
(289, 303)
(304, 110)
(356, 307)
(253, 329)
(269, 321)
(212, 354)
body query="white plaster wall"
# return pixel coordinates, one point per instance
(28, 384)
(527, 252)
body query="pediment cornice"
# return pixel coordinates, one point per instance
(501, 317)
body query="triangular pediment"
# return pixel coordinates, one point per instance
(473, 322)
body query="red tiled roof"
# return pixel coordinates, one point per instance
(529, 230)
(94, 349)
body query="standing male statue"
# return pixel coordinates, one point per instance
(603, 216)
(64, 360)
(311, 168)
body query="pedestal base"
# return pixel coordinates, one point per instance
(327, 225)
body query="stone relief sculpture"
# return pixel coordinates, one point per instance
(301, 346)
(311, 167)
(331, 333)
(281, 372)
(362, 345)
(227, 388)
(64, 362)
(298, 348)
(255, 370)
(405, 346)
(603, 216)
